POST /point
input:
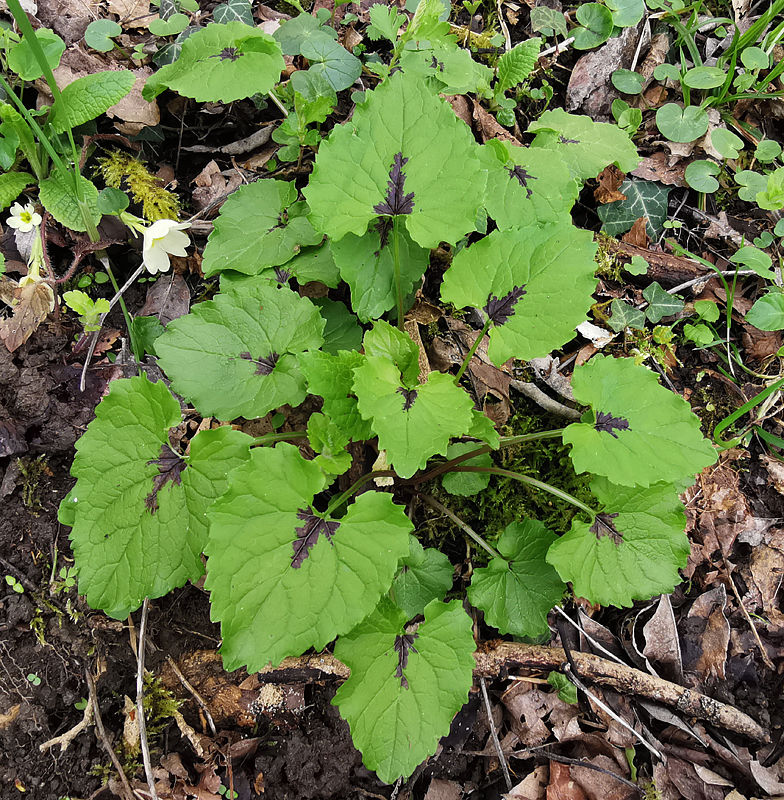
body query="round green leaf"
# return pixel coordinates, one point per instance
(247, 338)
(138, 508)
(751, 183)
(626, 13)
(597, 25)
(24, 63)
(404, 688)
(628, 82)
(633, 550)
(516, 592)
(767, 150)
(425, 575)
(754, 58)
(283, 577)
(466, 484)
(222, 63)
(175, 24)
(699, 175)
(767, 313)
(726, 143)
(682, 124)
(112, 201)
(704, 77)
(99, 34)
(354, 167)
(753, 258)
(331, 60)
(665, 72)
(532, 260)
(641, 433)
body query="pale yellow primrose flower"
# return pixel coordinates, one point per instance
(162, 239)
(24, 218)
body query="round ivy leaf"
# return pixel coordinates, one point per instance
(699, 175)
(597, 25)
(744, 82)
(779, 229)
(755, 58)
(175, 24)
(626, 81)
(751, 183)
(99, 34)
(767, 151)
(726, 143)
(667, 72)
(682, 124)
(112, 201)
(704, 77)
(767, 313)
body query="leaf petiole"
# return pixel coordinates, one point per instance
(272, 438)
(467, 529)
(474, 346)
(546, 487)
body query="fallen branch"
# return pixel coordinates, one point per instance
(499, 658)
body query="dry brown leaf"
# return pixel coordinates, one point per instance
(656, 168)
(758, 344)
(562, 786)
(610, 180)
(489, 128)
(167, 299)
(661, 641)
(132, 13)
(657, 54)
(600, 786)
(32, 304)
(532, 787)
(689, 784)
(133, 112)
(767, 567)
(212, 185)
(711, 645)
(638, 235)
(443, 790)
(460, 106)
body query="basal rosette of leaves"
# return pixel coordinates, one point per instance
(284, 577)
(535, 285)
(248, 339)
(398, 157)
(138, 507)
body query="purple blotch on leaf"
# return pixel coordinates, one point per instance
(397, 201)
(307, 534)
(409, 395)
(563, 140)
(523, 177)
(603, 526)
(228, 54)
(282, 275)
(404, 644)
(170, 467)
(264, 366)
(609, 424)
(499, 309)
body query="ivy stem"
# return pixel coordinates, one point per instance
(271, 438)
(546, 487)
(431, 501)
(396, 260)
(470, 354)
(505, 441)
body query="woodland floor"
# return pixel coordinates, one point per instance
(281, 738)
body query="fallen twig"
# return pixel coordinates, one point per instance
(494, 736)
(140, 701)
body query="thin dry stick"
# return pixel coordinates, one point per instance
(768, 663)
(607, 710)
(494, 736)
(103, 737)
(196, 696)
(140, 701)
(576, 762)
